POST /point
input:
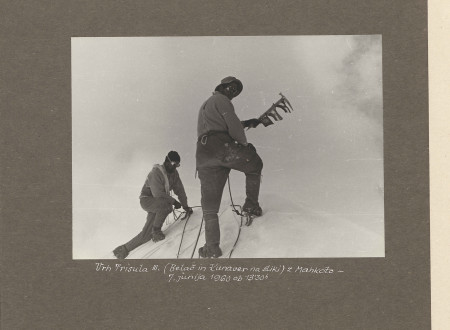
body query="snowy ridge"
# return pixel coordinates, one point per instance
(286, 229)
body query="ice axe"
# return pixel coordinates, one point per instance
(283, 103)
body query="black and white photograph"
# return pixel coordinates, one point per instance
(224, 164)
(227, 147)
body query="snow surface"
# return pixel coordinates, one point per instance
(322, 191)
(289, 228)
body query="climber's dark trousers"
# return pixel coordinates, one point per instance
(158, 209)
(219, 157)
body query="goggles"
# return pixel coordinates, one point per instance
(176, 164)
(232, 88)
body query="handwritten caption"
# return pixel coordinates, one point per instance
(214, 271)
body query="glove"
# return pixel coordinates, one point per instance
(251, 123)
(251, 146)
(176, 204)
(188, 209)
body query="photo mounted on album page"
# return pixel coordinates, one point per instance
(314, 179)
(179, 165)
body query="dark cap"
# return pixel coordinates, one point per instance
(174, 156)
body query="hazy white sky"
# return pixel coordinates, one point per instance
(134, 99)
(135, 95)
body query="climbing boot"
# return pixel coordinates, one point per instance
(121, 252)
(254, 211)
(157, 235)
(211, 251)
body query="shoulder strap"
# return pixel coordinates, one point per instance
(166, 179)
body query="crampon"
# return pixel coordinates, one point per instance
(247, 218)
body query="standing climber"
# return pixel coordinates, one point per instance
(222, 146)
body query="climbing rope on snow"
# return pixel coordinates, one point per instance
(239, 213)
(186, 217)
(198, 236)
(237, 238)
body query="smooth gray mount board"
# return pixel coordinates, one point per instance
(43, 288)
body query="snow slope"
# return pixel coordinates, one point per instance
(287, 229)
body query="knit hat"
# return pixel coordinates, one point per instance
(174, 156)
(229, 80)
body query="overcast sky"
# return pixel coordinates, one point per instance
(134, 99)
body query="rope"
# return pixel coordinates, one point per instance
(186, 217)
(182, 234)
(198, 236)
(238, 213)
(231, 198)
(199, 231)
(237, 238)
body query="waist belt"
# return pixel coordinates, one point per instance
(204, 137)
